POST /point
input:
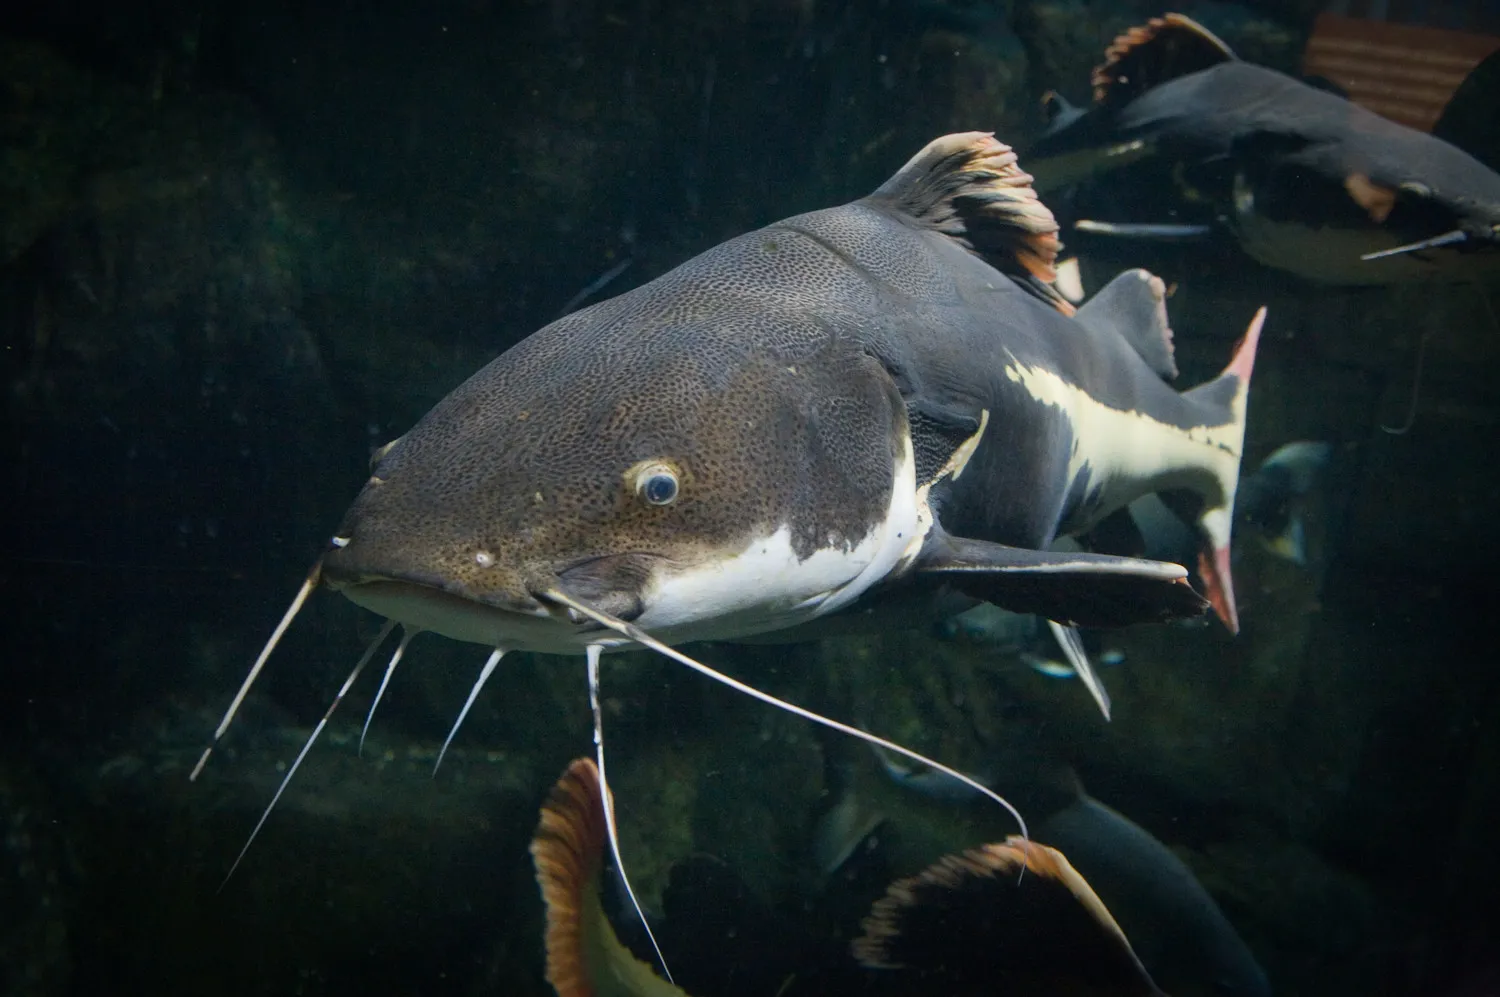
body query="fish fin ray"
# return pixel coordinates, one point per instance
(567, 851)
(937, 432)
(969, 187)
(1072, 648)
(942, 923)
(1162, 49)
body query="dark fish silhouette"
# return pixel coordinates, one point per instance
(1303, 179)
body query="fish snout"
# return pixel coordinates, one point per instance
(492, 585)
(452, 594)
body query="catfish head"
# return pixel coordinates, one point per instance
(693, 463)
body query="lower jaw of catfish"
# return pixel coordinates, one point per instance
(422, 607)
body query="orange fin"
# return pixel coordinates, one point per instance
(1218, 585)
(584, 955)
(1015, 911)
(567, 852)
(969, 187)
(1162, 49)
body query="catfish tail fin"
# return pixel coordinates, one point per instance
(1214, 518)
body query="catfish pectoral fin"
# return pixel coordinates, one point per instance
(1090, 590)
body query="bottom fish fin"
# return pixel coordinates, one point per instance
(585, 957)
(1016, 912)
(1072, 648)
(1093, 590)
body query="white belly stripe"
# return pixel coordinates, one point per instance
(1128, 453)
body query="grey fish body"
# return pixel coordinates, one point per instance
(1178, 929)
(765, 438)
(1304, 179)
(954, 344)
(816, 394)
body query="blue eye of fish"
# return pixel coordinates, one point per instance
(659, 488)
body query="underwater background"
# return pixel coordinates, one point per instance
(242, 244)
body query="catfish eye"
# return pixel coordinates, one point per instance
(659, 486)
(655, 479)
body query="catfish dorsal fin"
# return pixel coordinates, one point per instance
(969, 187)
(1133, 306)
(1162, 49)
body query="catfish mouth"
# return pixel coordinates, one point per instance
(517, 618)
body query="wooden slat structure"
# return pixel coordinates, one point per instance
(1405, 72)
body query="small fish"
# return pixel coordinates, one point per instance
(1303, 179)
(843, 827)
(1054, 669)
(1270, 500)
(1026, 637)
(1271, 504)
(929, 782)
(883, 399)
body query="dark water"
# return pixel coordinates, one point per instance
(242, 244)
